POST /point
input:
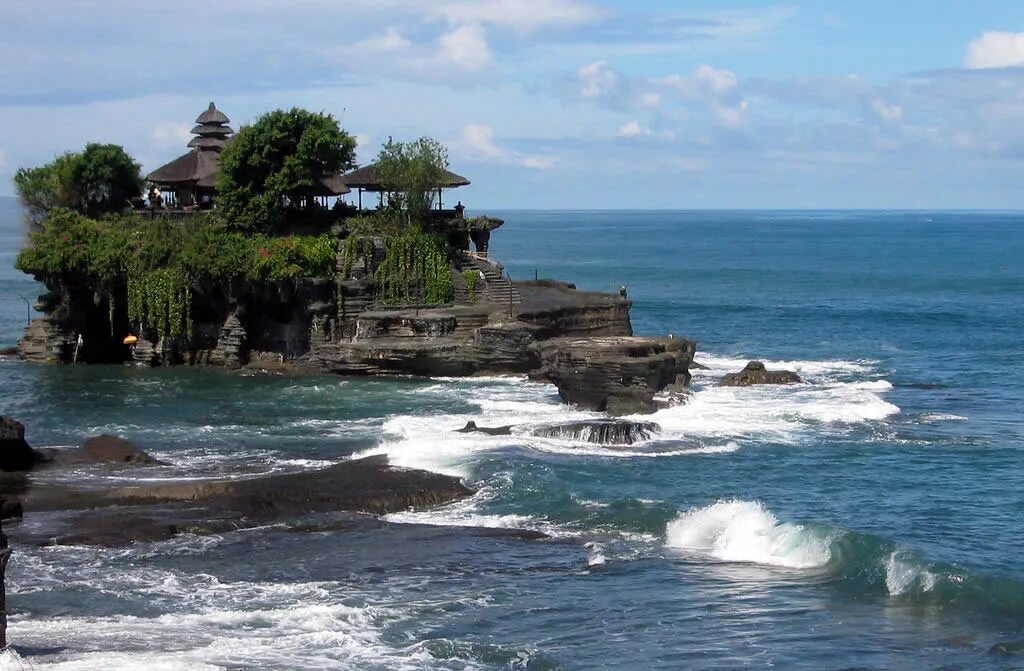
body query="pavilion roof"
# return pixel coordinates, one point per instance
(366, 178)
(200, 167)
(212, 115)
(212, 129)
(333, 185)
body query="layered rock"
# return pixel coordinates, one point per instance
(755, 372)
(153, 512)
(620, 375)
(5, 556)
(599, 431)
(113, 449)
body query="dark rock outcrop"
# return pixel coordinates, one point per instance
(618, 375)
(756, 373)
(153, 512)
(113, 449)
(15, 453)
(471, 427)
(600, 431)
(5, 555)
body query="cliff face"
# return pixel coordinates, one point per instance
(482, 338)
(581, 341)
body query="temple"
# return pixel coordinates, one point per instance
(191, 179)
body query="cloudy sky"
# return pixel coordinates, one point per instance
(558, 103)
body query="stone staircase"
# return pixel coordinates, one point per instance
(498, 289)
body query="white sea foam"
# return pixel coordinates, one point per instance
(744, 531)
(903, 573)
(716, 419)
(205, 623)
(934, 417)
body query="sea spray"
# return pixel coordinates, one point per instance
(864, 564)
(744, 531)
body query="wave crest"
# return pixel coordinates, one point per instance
(744, 531)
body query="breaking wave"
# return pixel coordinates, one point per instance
(747, 532)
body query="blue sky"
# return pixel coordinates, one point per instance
(558, 103)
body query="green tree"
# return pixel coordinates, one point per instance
(104, 178)
(101, 179)
(273, 164)
(45, 188)
(412, 172)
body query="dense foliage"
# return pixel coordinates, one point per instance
(155, 264)
(270, 167)
(416, 267)
(100, 179)
(412, 172)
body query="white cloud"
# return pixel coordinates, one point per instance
(171, 134)
(387, 42)
(480, 139)
(466, 48)
(477, 142)
(886, 111)
(729, 115)
(995, 50)
(719, 81)
(703, 81)
(633, 129)
(597, 80)
(650, 99)
(538, 162)
(523, 15)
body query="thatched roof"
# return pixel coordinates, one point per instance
(208, 142)
(334, 185)
(212, 129)
(366, 178)
(212, 115)
(200, 167)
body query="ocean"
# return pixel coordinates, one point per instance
(869, 518)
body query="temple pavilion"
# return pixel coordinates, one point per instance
(191, 179)
(368, 179)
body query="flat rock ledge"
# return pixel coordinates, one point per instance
(619, 375)
(116, 516)
(755, 372)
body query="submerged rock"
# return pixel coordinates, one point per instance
(756, 373)
(600, 431)
(114, 449)
(471, 427)
(5, 555)
(154, 512)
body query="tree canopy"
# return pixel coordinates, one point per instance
(98, 180)
(413, 171)
(273, 164)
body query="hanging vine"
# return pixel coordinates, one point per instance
(471, 277)
(415, 269)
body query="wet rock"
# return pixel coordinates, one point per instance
(15, 453)
(5, 555)
(600, 431)
(8, 351)
(1008, 647)
(113, 449)
(471, 427)
(756, 373)
(620, 375)
(153, 512)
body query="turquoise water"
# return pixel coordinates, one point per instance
(867, 519)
